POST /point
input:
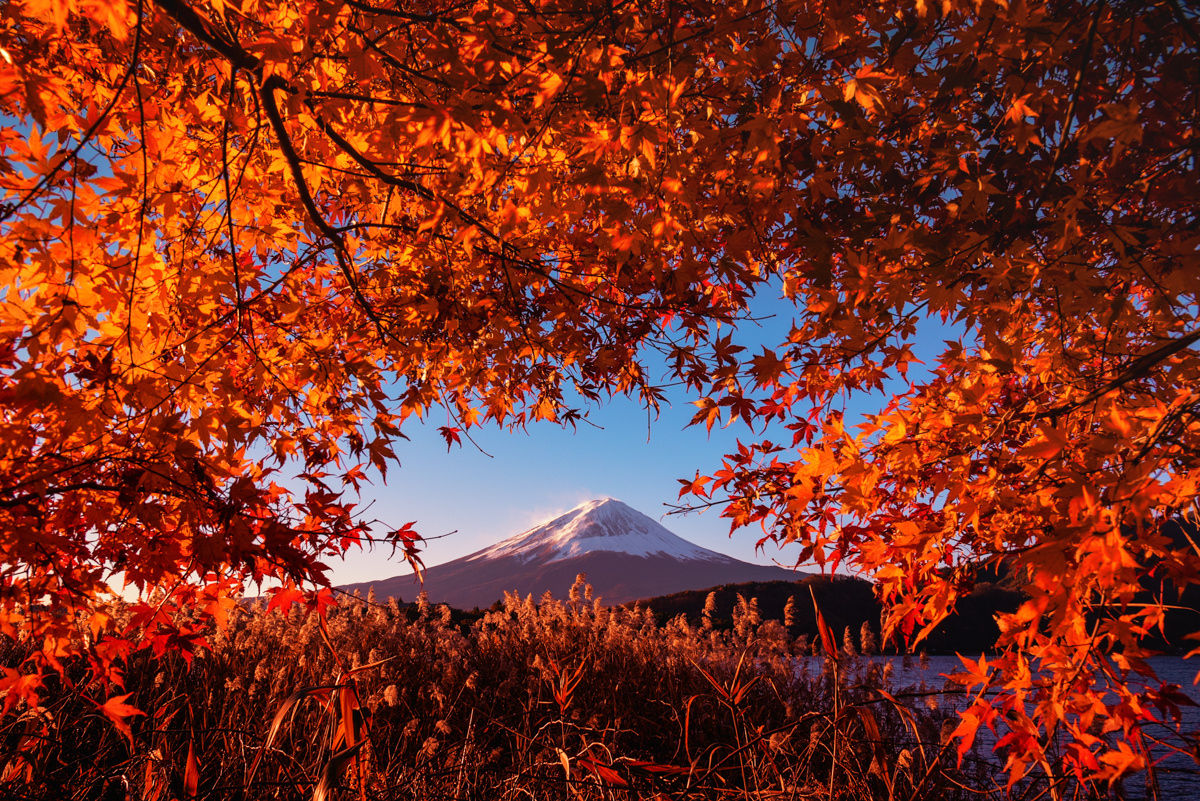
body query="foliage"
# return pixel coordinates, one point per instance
(1025, 174)
(242, 245)
(556, 700)
(244, 241)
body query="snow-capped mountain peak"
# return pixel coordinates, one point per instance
(605, 524)
(625, 555)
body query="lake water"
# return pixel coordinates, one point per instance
(1177, 775)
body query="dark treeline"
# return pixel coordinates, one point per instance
(847, 604)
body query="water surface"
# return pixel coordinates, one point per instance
(1177, 775)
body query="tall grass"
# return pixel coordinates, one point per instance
(566, 700)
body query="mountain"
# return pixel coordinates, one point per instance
(625, 554)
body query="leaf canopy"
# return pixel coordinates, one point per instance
(243, 240)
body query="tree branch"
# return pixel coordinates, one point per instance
(191, 21)
(267, 93)
(1139, 368)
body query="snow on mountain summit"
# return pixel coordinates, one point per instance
(605, 524)
(625, 555)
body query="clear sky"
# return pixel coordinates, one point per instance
(533, 477)
(463, 500)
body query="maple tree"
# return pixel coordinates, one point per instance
(242, 244)
(244, 240)
(1026, 176)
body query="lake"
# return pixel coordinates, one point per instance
(1178, 775)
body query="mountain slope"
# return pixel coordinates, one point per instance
(625, 554)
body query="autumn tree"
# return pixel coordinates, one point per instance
(246, 243)
(242, 241)
(1025, 177)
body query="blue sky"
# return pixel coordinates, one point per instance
(464, 500)
(527, 478)
(532, 477)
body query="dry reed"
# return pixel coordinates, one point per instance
(566, 700)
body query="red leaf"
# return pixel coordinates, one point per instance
(282, 598)
(452, 436)
(320, 601)
(116, 710)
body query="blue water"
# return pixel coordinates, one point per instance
(1177, 775)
